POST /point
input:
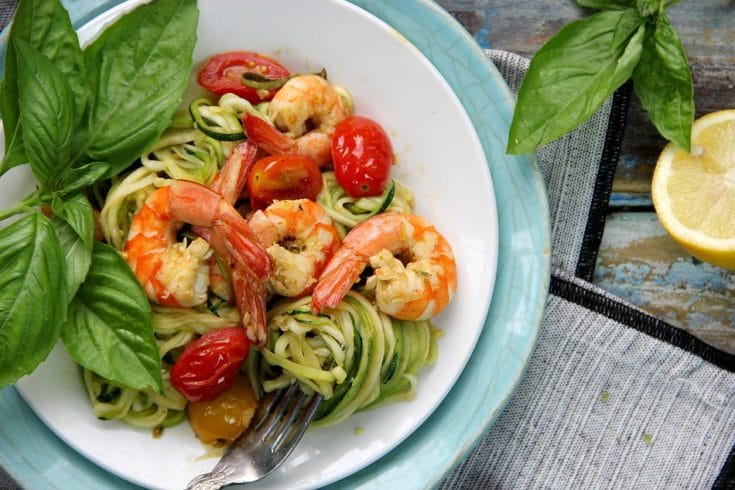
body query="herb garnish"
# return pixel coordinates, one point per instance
(587, 60)
(77, 117)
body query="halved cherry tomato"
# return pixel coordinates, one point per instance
(222, 73)
(208, 366)
(283, 177)
(362, 156)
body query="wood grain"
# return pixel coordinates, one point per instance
(640, 263)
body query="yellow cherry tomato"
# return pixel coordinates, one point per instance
(219, 421)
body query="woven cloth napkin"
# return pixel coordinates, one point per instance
(613, 398)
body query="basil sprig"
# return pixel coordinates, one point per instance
(77, 117)
(587, 60)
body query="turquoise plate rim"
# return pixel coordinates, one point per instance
(37, 458)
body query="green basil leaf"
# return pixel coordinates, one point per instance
(663, 83)
(572, 75)
(33, 295)
(649, 7)
(77, 256)
(137, 70)
(14, 153)
(47, 113)
(629, 59)
(108, 329)
(76, 211)
(630, 22)
(606, 4)
(82, 176)
(45, 25)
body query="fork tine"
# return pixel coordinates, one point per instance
(281, 425)
(289, 438)
(284, 411)
(269, 405)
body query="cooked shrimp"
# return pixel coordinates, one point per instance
(300, 238)
(176, 274)
(307, 109)
(229, 183)
(418, 290)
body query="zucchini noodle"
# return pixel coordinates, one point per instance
(174, 328)
(238, 106)
(353, 355)
(185, 154)
(145, 409)
(125, 197)
(346, 212)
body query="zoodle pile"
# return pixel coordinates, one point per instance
(274, 247)
(192, 261)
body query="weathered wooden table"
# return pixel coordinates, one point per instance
(637, 260)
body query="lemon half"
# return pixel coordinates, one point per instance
(694, 193)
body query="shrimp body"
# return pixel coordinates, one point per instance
(177, 274)
(300, 238)
(172, 273)
(415, 272)
(305, 112)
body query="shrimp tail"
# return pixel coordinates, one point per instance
(242, 245)
(231, 178)
(267, 137)
(250, 297)
(250, 266)
(341, 273)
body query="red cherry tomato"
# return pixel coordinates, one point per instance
(362, 156)
(283, 177)
(208, 366)
(222, 73)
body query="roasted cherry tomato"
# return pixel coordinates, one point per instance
(283, 177)
(222, 419)
(222, 73)
(362, 156)
(208, 366)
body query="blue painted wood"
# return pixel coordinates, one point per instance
(627, 200)
(640, 263)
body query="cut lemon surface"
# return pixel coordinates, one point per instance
(694, 193)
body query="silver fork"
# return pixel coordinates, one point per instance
(278, 425)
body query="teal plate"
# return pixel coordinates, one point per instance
(38, 459)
